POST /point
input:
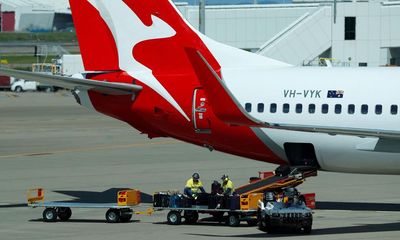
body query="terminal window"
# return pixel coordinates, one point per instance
(350, 28)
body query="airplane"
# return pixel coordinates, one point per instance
(147, 66)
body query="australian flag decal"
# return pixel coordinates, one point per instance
(335, 93)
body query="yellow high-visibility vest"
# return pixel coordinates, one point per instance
(195, 187)
(229, 184)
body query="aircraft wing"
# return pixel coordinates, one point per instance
(111, 88)
(228, 109)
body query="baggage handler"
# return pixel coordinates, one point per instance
(227, 186)
(194, 186)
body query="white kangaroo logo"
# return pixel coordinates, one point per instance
(128, 31)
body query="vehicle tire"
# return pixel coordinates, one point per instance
(113, 216)
(191, 217)
(252, 222)
(262, 225)
(174, 218)
(50, 215)
(64, 213)
(233, 220)
(18, 89)
(49, 89)
(125, 218)
(307, 229)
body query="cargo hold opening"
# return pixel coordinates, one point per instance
(301, 154)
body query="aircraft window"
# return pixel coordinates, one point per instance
(364, 109)
(311, 108)
(272, 108)
(286, 108)
(299, 108)
(338, 108)
(325, 108)
(378, 109)
(393, 109)
(247, 106)
(260, 107)
(351, 109)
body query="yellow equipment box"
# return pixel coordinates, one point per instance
(35, 195)
(250, 201)
(128, 197)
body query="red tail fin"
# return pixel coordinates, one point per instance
(96, 42)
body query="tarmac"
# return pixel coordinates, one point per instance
(49, 141)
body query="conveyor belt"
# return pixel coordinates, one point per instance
(274, 182)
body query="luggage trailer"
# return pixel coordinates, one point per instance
(249, 196)
(121, 211)
(191, 215)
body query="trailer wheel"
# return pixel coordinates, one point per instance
(125, 218)
(50, 215)
(174, 218)
(233, 220)
(191, 217)
(112, 216)
(125, 215)
(64, 213)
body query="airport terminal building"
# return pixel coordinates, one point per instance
(35, 15)
(350, 33)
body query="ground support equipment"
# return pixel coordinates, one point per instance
(121, 211)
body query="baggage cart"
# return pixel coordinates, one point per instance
(120, 211)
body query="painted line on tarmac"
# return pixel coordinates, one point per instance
(95, 148)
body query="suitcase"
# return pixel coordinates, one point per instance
(233, 202)
(175, 201)
(187, 202)
(214, 201)
(161, 199)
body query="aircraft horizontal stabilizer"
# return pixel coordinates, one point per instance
(111, 88)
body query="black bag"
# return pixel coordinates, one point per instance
(233, 202)
(216, 188)
(161, 200)
(187, 202)
(214, 201)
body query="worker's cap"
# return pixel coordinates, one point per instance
(195, 176)
(224, 177)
